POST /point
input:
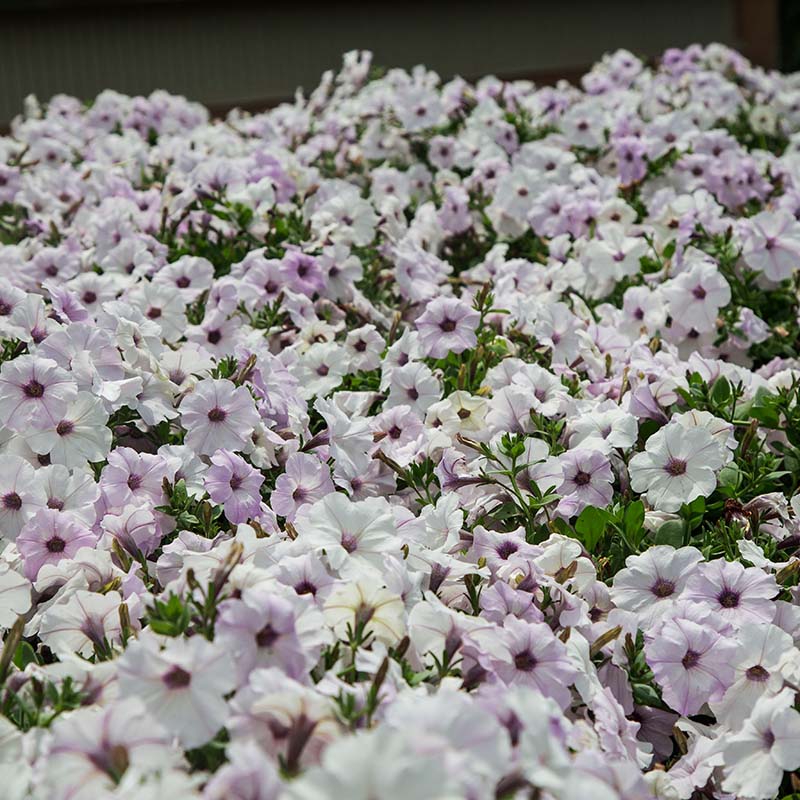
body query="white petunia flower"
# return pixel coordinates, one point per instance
(677, 466)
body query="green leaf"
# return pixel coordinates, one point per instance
(591, 525)
(671, 533)
(633, 519)
(764, 409)
(722, 391)
(729, 477)
(25, 655)
(646, 695)
(163, 627)
(697, 509)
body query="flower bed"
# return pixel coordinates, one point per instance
(412, 440)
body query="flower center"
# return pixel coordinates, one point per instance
(675, 467)
(582, 478)
(33, 389)
(699, 292)
(134, 482)
(56, 545)
(525, 661)
(12, 501)
(506, 549)
(177, 678)
(267, 636)
(447, 325)
(757, 673)
(691, 659)
(728, 598)
(65, 427)
(113, 762)
(349, 542)
(663, 588)
(216, 415)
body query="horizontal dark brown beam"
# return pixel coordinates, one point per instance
(254, 54)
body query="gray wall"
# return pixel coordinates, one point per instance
(254, 53)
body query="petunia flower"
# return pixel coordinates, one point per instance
(231, 481)
(653, 581)
(92, 749)
(218, 415)
(587, 481)
(366, 606)
(21, 495)
(80, 436)
(767, 745)
(772, 243)
(305, 480)
(691, 661)
(34, 391)
(677, 466)
(760, 672)
(352, 536)
(696, 296)
(261, 630)
(740, 595)
(49, 537)
(183, 685)
(538, 659)
(447, 326)
(80, 621)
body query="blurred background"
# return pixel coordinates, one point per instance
(253, 54)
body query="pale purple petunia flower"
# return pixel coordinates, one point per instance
(50, 536)
(260, 630)
(447, 326)
(34, 391)
(652, 582)
(740, 595)
(305, 480)
(232, 482)
(538, 660)
(587, 481)
(20, 494)
(183, 686)
(131, 477)
(691, 661)
(217, 415)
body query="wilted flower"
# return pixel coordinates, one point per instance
(365, 608)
